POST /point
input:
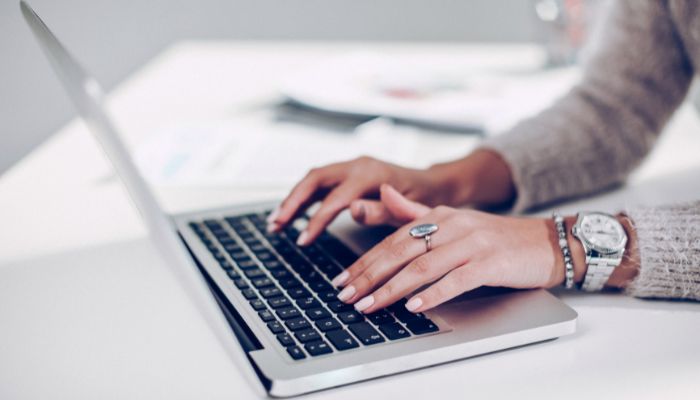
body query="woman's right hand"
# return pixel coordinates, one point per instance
(356, 185)
(480, 179)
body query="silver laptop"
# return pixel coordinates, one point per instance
(271, 303)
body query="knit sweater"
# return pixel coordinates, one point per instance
(594, 136)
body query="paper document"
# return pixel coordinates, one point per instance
(454, 95)
(257, 154)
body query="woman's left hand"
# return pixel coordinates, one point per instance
(470, 249)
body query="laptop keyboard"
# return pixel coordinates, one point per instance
(289, 288)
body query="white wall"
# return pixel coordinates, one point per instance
(114, 38)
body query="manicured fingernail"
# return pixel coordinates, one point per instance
(361, 212)
(346, 293)
(364, 303)
(303, 239)
(340, 279)
(414, 304)
(272, 227)
(273, 215)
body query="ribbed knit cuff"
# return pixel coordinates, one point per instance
(669, 248)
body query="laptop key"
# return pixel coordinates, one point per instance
(307, 302)
(254, 273)
(421, 326)
(272, 264)
(257, 304)
(262, 282)
(285, 340)
(288, 313)
(380, 317)
(317, 313)
(278, 302)
(289, 283)
(241, 283)
(394, 331)
(320, 286)
(296, 353)
(233, 274)
(318, 348)
(280, 273)
(341, 339)
(275, 327)
(247, 264)
(350, 317)
(298, 292)
(266, 315)
(307, 335)
(249, 294)
(297, 324)
(328, 324)
(365, 333)
(328, 296)
(225, 265)
(338, 306)
(239, 255)
(269, 292)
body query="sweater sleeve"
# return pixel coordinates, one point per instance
(669, 250)
(595, 135)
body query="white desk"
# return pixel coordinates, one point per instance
(88, 311)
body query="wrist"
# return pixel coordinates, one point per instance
(629, 267)
(482, 179)
(623, 273)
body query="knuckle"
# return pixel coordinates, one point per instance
(367, 278)
(387, 291)
(398, 250)
(443, 210)
(421, 266)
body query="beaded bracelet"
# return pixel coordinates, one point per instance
(564, 245)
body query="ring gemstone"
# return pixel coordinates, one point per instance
(423, 230)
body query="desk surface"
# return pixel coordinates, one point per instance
(88, 311)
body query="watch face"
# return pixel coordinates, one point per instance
(603, 232)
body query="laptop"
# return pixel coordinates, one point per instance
(271, 303)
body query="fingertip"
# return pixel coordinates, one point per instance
(358, 211)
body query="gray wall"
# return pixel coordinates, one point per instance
(113, 38)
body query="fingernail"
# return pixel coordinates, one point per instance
(361, 211)
(414, 304)
(273, 215)
(364, 303)
(340, 279)
(303, 239)
(346, 293)
(272, 227)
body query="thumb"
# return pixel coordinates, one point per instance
(402, 209)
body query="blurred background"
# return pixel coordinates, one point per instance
(115, 38)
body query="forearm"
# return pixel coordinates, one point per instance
(593, 137)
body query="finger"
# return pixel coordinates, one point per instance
(395, 210)
(370, 212)
(303, 191)
(336, 201)
(456, 282)
(401, 208)
(382, 261)
(419, 272)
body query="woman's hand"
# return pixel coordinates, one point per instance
(353, 184)
(480, 179)
(470, 249)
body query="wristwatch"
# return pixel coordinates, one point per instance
(603, 239)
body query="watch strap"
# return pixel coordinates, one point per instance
(598, 272)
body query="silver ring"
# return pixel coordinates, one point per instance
(424, 231)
